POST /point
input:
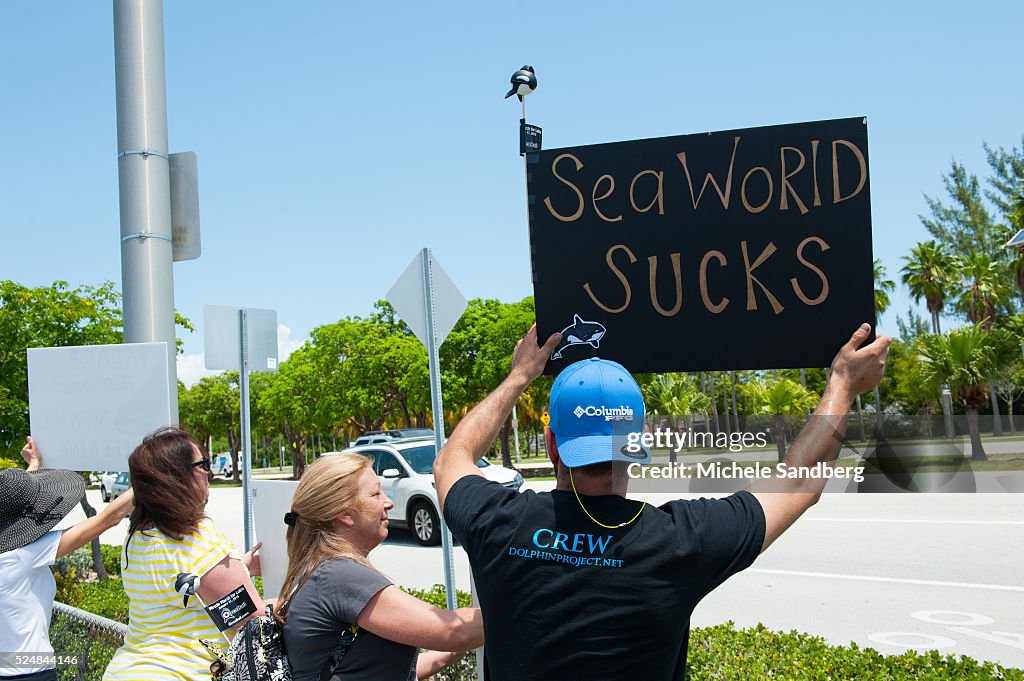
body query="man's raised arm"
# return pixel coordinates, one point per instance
(854, 370)
(478, 429)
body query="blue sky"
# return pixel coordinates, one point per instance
(335, 140)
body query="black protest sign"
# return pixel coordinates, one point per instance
(742, 249)
(229, 610)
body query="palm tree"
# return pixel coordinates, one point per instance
(675, 396)
(985, 290)
(883, 287)
(984, 287)
(779, 398)
(928, 272)
(967, 358)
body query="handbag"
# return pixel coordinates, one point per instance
(257, 652)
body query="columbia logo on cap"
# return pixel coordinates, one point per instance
(608, 413)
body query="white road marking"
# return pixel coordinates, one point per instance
(930, 642)
(890, 580)
(960, 619)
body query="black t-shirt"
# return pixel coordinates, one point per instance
(328, 602)
(565, 598)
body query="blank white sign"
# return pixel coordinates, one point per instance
(271, 499)
(91, 405)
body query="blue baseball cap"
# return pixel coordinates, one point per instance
(595, 406)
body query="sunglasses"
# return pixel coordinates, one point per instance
(203, 463)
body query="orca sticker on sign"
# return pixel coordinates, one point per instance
(742, 249)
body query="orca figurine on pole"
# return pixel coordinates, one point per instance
(524, 81)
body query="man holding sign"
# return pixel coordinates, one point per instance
(583, 582)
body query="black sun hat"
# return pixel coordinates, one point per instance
(31, 504)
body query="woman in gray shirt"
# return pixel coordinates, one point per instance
(339, 514)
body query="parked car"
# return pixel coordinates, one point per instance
(120, 486)
(405, 470)
(376, 436)
(107, 479)
(221, 465)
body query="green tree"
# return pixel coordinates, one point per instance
(48, 316)
(780, 399)
(1007, 182)
(967, 358)
(1010, 376)
(905, 385)
(965, 224)
(1007, 193)
(913, 327)
(373, 374)
(984, 287)
(928, 273)
(477, 356)
(290, 399)
(883, 287)
(676, 397)
(212, 407)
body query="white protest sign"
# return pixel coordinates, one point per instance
(271, 500)
(90, 406)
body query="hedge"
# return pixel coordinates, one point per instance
(724, 653)
(718, 653)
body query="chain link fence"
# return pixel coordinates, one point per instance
(87, 639)
(90, 640)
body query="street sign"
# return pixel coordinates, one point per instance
(242, 339)
(183, 171)
(406, 296)
(221, 338)
(430, 304)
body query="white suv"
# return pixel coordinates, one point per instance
(405, 470)
(107, 479)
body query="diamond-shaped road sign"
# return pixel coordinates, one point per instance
(408, 298)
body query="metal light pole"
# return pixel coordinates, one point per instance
(147, 281)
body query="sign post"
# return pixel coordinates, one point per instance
(242, 339)
(430, 304)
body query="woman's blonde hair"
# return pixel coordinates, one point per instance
(329, 488)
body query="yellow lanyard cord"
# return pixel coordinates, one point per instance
(610, 527)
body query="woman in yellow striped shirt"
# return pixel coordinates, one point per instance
(170, 534)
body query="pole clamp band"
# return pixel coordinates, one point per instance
(146, 235)
(144, 153)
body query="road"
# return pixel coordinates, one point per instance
(888, 571)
